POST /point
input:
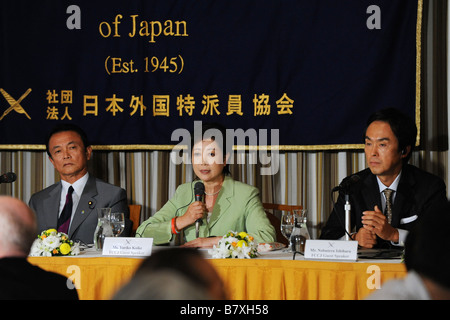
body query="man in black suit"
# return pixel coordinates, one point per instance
(389, 140)
(18, 278)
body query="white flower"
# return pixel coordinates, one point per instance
(49, 244)
(52, 242)
(234, 245)
(36, 248)
(75, 249)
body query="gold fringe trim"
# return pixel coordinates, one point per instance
(418, 65)
(140, 147)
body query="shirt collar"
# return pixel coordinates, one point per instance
(78, 185)
(393, 186)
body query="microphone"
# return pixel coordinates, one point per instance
(347, 183)
(8, 177)
(199, 191)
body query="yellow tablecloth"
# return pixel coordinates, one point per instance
(97, 278)
(302, 280)
(271, 277)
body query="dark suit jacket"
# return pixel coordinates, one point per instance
(20, 280)
(96, 194)
(417, 191)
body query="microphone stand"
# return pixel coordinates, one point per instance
(347, 209)
(345, 188)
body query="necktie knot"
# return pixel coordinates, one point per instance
(69, 192)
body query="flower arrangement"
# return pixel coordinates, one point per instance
(53, 243)
(235, 245)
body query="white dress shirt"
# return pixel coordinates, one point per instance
(78, 188)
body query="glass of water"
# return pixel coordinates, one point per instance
(287, 225)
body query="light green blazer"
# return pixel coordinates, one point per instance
(237, 208)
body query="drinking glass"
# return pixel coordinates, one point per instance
(117, 220)
(287, 225)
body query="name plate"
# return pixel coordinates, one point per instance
(122, 246)
(331, 250)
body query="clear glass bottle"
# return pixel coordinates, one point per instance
(300, 234)
(103, 228)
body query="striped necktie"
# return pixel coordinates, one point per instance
(388, 210)
(64, 218)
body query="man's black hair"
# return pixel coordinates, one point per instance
(403, 127)
(67, 127)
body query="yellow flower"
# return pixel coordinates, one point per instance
(50, 231)
(241, 243)
(64, 248)
(243, 234)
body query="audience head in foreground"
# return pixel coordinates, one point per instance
(17, 228)
(426, 260)
(19, 279)
(174, 274)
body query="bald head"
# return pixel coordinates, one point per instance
(17, 227)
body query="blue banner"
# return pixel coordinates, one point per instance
(132, 72)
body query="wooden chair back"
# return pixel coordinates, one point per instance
(135, 216)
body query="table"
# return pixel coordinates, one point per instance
(269, 279)
(272, 276)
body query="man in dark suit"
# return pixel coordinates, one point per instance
(383, 218)
(18, 278)
(69, 151)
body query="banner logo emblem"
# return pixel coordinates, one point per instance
(14, 105)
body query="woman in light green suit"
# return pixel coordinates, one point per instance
(228, 204)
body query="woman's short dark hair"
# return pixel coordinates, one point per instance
(403, 127)
(67, 127)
